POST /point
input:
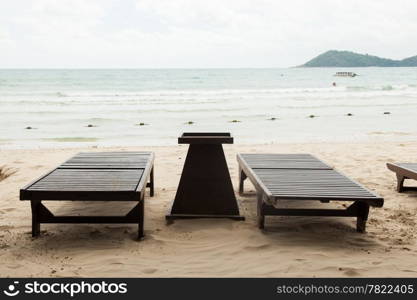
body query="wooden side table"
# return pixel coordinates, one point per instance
(205, 189)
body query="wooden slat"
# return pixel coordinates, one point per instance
(114, 153)
(283, 161)
(83, 180)
(94, 176)
(108, 160)
(205, 138)
(302, 177)
(310, 183)
(409, 166)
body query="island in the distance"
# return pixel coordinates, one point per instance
(343, 59)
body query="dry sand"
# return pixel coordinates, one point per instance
(290, 246)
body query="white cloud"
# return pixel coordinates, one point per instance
(200, 33)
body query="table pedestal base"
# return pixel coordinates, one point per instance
(205, 189)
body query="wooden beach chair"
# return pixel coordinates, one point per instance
(404, 171)
(303, 177)
(93, 176)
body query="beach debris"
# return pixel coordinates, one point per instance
(234, 121)
(190, 123)
(6, 172)
(311, 116)
(142, 124)
(349, 114)
(272, 119)
(346, 74)
(29, 127)
(91, 125)
(387, 113)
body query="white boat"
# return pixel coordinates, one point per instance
(345, 74)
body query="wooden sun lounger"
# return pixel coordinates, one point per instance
(303, 177)
(94, 176)
(404, 171)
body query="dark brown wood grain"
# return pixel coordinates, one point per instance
(303, 177)
(205, 138)
(95, 176)
(205, 189)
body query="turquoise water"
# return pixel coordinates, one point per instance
(58, 105)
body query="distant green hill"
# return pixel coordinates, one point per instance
(343, 59)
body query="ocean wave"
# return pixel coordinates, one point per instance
(71, 139)
(386, 87)
(410, 104)
(135, 110)
(195, 93)
(32, 94)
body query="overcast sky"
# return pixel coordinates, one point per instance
(200, 33)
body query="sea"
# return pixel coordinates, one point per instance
(44, 108)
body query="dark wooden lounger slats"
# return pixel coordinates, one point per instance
(303, 177)
(96, 176)
(283, 161)
(404, 171)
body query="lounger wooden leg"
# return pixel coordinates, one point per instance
(36, 225)
(151, 184)
(400, 183)
(261, 216)
(141, 207)
(242, 177)
(363, 211)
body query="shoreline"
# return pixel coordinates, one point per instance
(290, 246)
(370, 140)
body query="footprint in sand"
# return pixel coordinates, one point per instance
(149, 271)
(5, 227)
(359, 242)
(351, 272)
(94, 233)
(409, 271)
(16, 266)
(258, 247)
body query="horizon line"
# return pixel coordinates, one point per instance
(137, 68)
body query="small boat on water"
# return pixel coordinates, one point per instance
(345, 74)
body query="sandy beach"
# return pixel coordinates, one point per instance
(289, 247)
